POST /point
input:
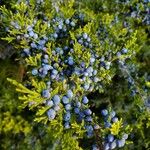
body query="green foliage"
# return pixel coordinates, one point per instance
(116, 127)
(24, 115)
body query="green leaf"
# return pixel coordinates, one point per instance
(8, 39)
(115, 128)
(33, 60)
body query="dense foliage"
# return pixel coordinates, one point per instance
(83, 80)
